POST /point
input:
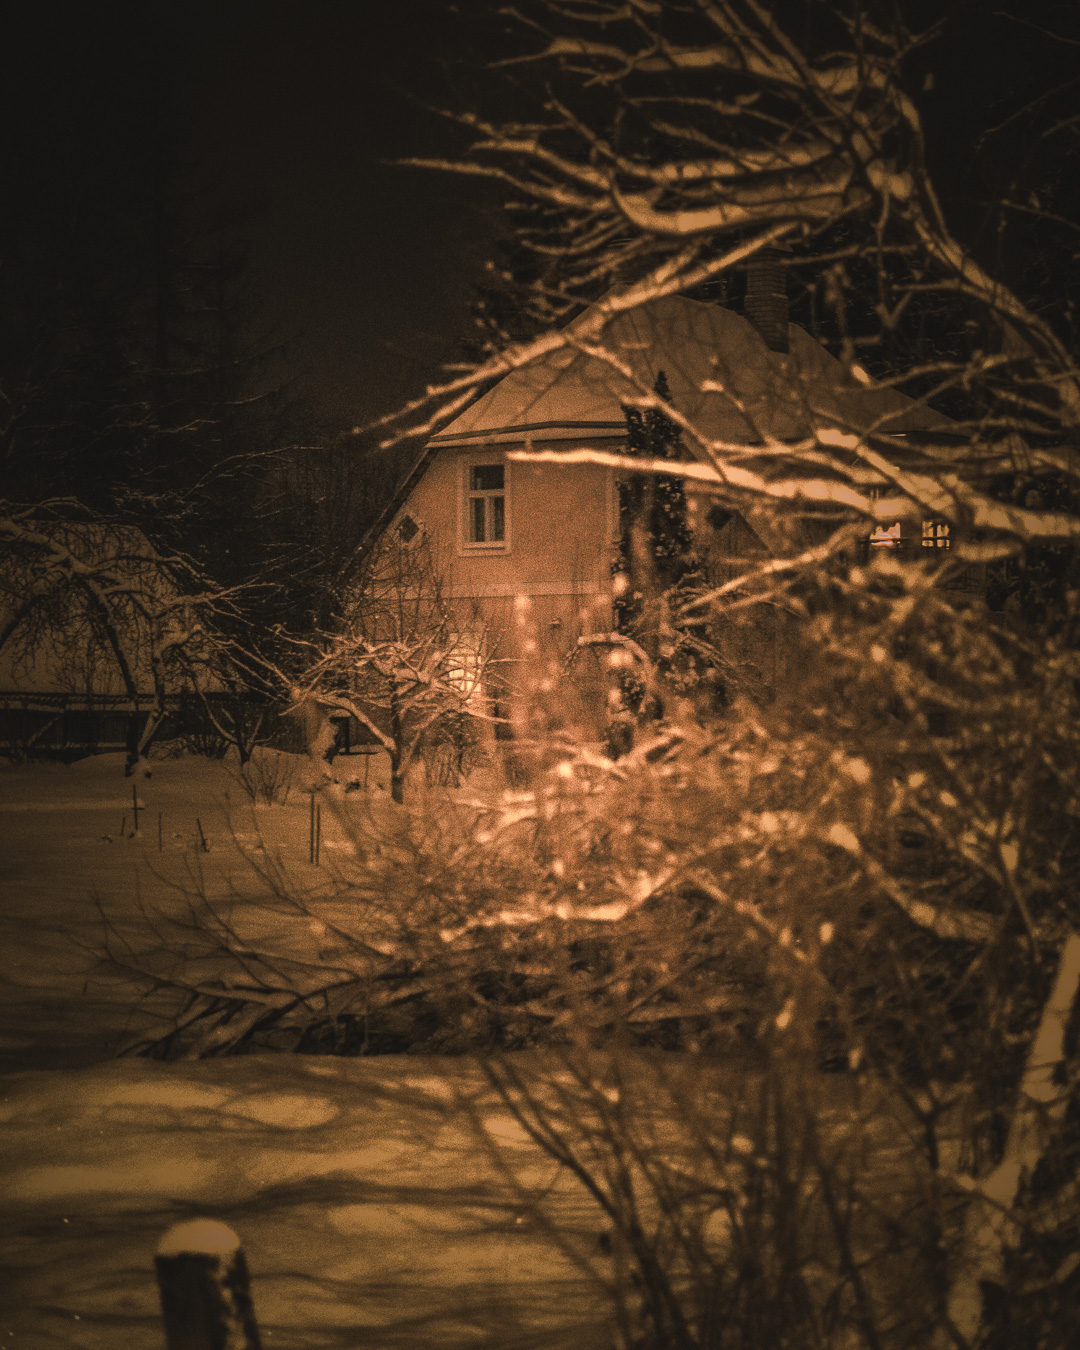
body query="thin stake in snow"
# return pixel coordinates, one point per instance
(202, 837)
(314, 831)
(135, 807)
(205, 1289)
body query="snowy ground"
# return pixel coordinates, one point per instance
(372, 1209)
(71, 857)
(370, 1215)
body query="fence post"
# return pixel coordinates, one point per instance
(205, 1289)
(314, 829)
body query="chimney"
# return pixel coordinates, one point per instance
(766, 303)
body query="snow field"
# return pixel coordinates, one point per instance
(372, 1212)
(67, 867)
(369, 1214)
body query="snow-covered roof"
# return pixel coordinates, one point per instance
(722, 378)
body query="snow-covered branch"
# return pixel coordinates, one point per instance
(1042, 1097)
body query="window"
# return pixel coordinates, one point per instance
(883, 537)
(465, 666)
(935, 534)
(718, 516)
(485, 505)
(886, 538)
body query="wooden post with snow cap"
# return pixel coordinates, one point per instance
(205, 1290)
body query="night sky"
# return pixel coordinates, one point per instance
(278, 118)
(282, 114)
(365, 265)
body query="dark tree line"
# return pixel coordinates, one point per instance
(136, 388)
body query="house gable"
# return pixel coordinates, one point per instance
(558, 524)
(722, 377)
(550, 552)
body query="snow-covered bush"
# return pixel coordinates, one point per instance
(268, 775)
(885, 847)
(817, 901)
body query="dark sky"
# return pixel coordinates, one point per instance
(281, 114)
(365, 267)
(370, 267)
(285, 111)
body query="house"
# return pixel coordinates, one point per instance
(529, 546)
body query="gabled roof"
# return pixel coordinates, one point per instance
(721, 375)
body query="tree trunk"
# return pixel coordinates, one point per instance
(397, 776)
(131, 742)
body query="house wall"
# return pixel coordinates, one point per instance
(560, 523)
(552, 583)
(533, 598)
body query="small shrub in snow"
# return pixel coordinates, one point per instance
(269, 775)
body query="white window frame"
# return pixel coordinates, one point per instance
(466, 544)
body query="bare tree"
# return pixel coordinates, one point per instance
(875, 871)
(666, 149)
(84, 599)
(409, 664)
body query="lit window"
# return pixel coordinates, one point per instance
(935, 534)
(486, 504)
(465, 667)
(886, 538)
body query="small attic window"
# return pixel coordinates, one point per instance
(718, 516)
(408, 529)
